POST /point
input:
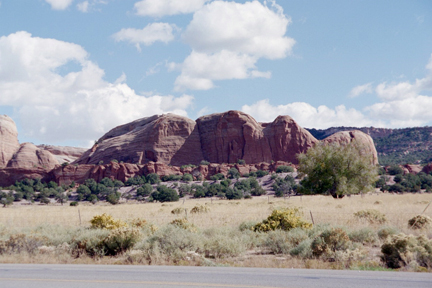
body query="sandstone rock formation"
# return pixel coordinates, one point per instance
(29, 156)
(8, 139)
(64, 153)
(161, 143)
(364, 140)
(169, 139)
(217, 138)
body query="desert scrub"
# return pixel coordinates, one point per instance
(18, 243)
(226, 242)
(364, 236)
(171, 244)
(285, 219)
(200, 209)
(88, 242)
(372, 216)
(420, 222)
(282, 242)
(183, 223)
(387, 231)
(177, 211)
(330, 241)
(106, 221)
(137, 222)
(402, 250)
(120, 240)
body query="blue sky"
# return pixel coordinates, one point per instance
(70, 70)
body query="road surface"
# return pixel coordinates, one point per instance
(107, 276)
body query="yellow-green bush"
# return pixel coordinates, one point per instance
(420, 222)
(402, 250)
(371, 215)
(106, 221)
(138, 222)
(200, 209)
(184, 224)
(285, 219)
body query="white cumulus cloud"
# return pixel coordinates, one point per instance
(199, 69)
(400, 105)
(153, 32)
(159, 8)
(224, 31)
(59, 4)
(361, 89)
(306, 115)
(79, 105)
(83, 6)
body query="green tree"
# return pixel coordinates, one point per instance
(336, 170)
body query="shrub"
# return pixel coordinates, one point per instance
(241, 162)
(330, 241)
(420, 222)
(105, 221)
(74, 203)
(233, 173)
(165, 194)
(363, 236)
(172, 244)
(401, 250)
(138, 222)
(387, 231)
(286, 219)
(261, 173)
(218, 176)
(184, 224)
(232, 194)
(284, 169)
(144, 190)
(113, 198)
(225, 242)
(120, 240)
(204, 162)
(282, 242)
(394, 170)
(371, 215)
(177, 211)
(200, 209)
(187, 177)
(153, 178)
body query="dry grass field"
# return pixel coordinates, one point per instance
(55, 233)
(324, 209)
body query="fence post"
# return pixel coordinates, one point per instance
(79, 215)
(312, 217)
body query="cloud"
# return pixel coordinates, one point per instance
(358, 90)
(76, 106)
(83, 6)
(148, 35)
(306, 115)
(59, 4)
(232, 37)
(400, 105)
(159, 8)
(199, 69)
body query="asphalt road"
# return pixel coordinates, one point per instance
(98, 276)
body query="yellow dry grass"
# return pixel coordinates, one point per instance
(397, 208)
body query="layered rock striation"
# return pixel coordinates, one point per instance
(217, 138)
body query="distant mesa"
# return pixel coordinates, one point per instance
(164, 142)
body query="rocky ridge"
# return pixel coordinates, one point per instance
(162, 143)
